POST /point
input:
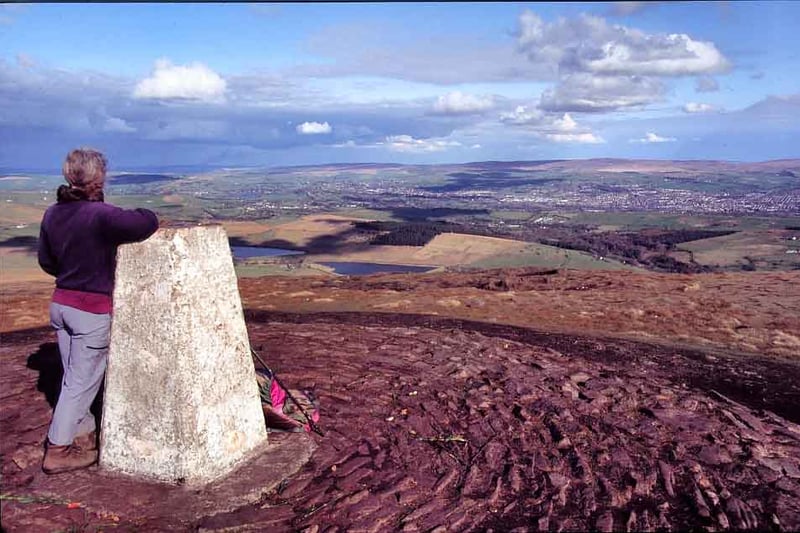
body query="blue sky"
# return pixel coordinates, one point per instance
(304, 83)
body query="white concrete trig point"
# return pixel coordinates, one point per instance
(181, 401)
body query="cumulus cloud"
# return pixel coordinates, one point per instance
(549, 126)
(522, 115)
(350, 143)
(695, 107)
(185, 82)
(117, 125)
(651, 137)
(583, 138)
(314, 128)
(458, 103)
(588, 93)
(706, 84)
(588, 43)
(602, 67)
(408, 144)
(525, 116)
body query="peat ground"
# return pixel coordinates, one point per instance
(436, 424)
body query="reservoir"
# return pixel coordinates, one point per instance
(347, 268)
(356, 269)
(247, 252)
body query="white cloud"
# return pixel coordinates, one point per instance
(553, 127)
(408, 144)
(602, 67)
(565, 123)
(522, 115)
(592, 93)
(458, 103)
(695, 107)
(706, 84)
(187, 82)
(673, 55)
(588, 43)
(537, 119)
(583, 138)
(117, 125)
(313, 128)
(347, 144)
(651, 137)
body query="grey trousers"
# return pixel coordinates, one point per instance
(83, 342)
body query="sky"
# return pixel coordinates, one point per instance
(274, 84)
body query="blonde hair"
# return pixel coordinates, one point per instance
(85, 168)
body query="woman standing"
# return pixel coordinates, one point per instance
(78, 245)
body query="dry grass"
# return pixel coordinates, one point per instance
(749, 312)
(18, 265)
(13, 214)
(753, 312)
(236, 228)
(304, 230)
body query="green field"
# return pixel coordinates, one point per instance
(541, 255)
(762, 250)
(257, 270)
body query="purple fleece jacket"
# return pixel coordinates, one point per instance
(78, 242)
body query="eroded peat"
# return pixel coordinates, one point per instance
(440, 424)
(433, 424)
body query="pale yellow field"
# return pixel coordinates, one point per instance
(18, 265)
(302, 231)
(13, 214)
(456, 249)
(245, 228)
(447, 249)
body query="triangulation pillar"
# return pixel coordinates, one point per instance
(181, 401)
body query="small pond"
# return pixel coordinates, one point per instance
(356, 269)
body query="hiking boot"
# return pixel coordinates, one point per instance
(58, 459)
(87, 441)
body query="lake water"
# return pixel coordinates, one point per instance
(355, 269)
(246, 252)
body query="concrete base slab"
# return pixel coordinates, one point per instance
(170, 506)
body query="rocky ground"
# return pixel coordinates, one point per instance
(437, 423)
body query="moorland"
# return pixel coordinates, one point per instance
(603, 344)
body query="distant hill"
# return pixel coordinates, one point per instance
(594, 165)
